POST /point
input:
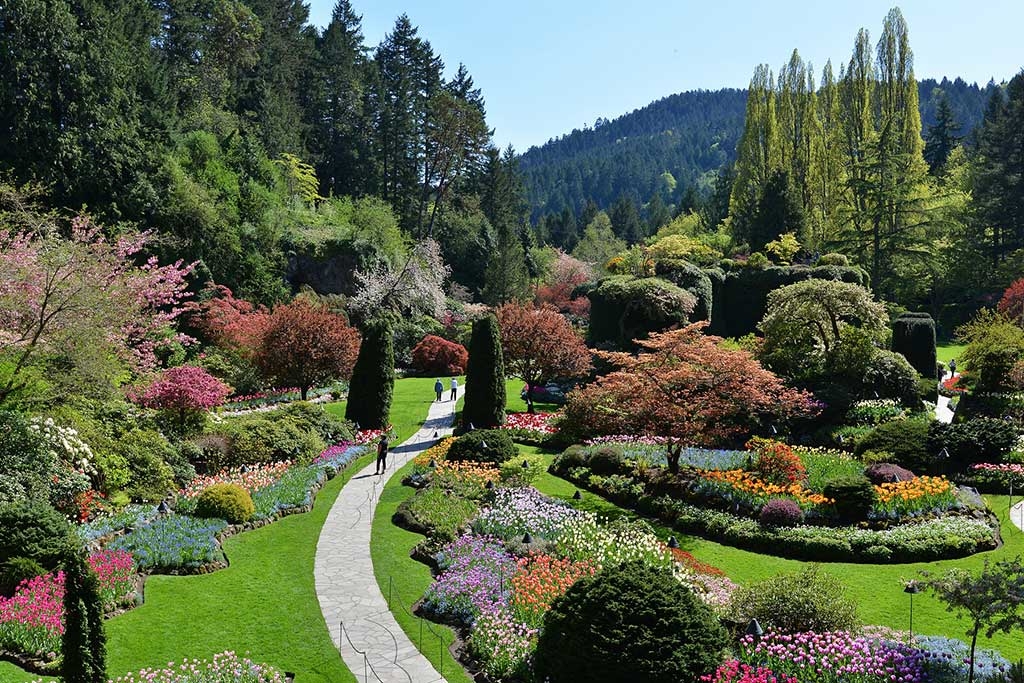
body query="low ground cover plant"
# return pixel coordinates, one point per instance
(172, 542)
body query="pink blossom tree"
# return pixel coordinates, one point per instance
(84, 299)
(186, 391)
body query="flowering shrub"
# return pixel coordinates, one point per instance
(776, 463)
(438, 452)
(734, 671)
(172, 542)
(781, 512)
(946, 660)
(224, 667)
(438, 356)
(882, 472)
(252, 478)
(183, 390)
(540, 579)
(834, 657)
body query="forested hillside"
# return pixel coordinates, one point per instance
(688, 135)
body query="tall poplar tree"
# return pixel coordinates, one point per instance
(758, 154)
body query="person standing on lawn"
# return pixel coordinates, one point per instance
(438, 388)
(382, 455)
(455, 388)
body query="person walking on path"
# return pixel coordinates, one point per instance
(952, 367)
(455, 388)
(382, 455)
(438, 388)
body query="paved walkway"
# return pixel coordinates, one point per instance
(1017, 515)
(943, 413)
(345, 584)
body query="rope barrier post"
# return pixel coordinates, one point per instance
(389, 591)
(421, 634)
(366, 674)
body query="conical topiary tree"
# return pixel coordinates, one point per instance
(485, 377)
(373, 378)
(84, 642)
(913, 336)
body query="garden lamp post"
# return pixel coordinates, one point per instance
(912, 589)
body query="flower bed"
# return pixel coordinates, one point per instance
(531, 428)
(31, 621)
(252, 478)
(920, 540)
(835, 657)
(173, 543)
(116, 522)
(225, 667)
(368, 436)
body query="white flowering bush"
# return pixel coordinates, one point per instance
(65, 444)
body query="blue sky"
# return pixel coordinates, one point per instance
(547, 67)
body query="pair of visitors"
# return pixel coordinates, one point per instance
(439, 388)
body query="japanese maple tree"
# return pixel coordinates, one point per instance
(540, 344)
(1012, 303)
(303, 345)
(686, 386)
(185, 390)
(231, 323)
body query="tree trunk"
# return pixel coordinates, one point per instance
(303, 391)
(974, 642)
(529, 398)
(673, 453)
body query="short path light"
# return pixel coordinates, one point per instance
(577, 495)
(526, 464)
(432, 464)
(912, 589)
(489, 485)
(754, 630)
(163, 508)
(673, 542)
(527, 538)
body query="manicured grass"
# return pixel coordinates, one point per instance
(945, 352)
(405, 580)
(877, 589)
(515, 404)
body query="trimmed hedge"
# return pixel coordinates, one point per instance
(485, 377)
(981, 439)
(907, 443)
(229, 502)
(373, 378)
(632, 622)
(694, 280)
(623, 308)
(483, 445)
(854, 497)
(913, 336)
(740, 297)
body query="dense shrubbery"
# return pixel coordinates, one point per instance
(24, 461)
(890, 375)
(882, 472)
(980, 439)
(314, 418)
(438, 356)
(483, 445)
(260, 439)
(905, 442)
(33, 530)
(913, 336)
(623, 308)
(629, 623)
(485, 377)
(853, 497)
(229, 502)
(781, 512)
(810, 600)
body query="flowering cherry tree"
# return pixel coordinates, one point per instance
(683, 385)
(566, 274)
(539, 344)
(185, 390)
(84, 296)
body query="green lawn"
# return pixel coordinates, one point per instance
(264, 603)
(945, 352)
(877, 589)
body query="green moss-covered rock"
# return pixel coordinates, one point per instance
(485, 377)
(373, 378)
(624, 308)
(913, 337)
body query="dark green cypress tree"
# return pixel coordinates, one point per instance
(373, 378)
(485, 377)
(84, 641)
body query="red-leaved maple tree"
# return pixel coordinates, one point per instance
(686, 386)
(303, 345)
(1012, 303)
(231, 323)
(539, 344)
(435, 355)
(565, 275)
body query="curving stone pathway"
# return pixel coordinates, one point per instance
(345, 584)
(943, 413)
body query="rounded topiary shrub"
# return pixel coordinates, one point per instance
(16, 570)
(606, 459)
(854, 497)
(781, 512)
(890, 375)
(438, 356)
(887, 473)
(483, 445)
(573, 456)
(33, 530)
(833, 259)
(809, 600)
(629, 624)
(905, 440)
(229, 502)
